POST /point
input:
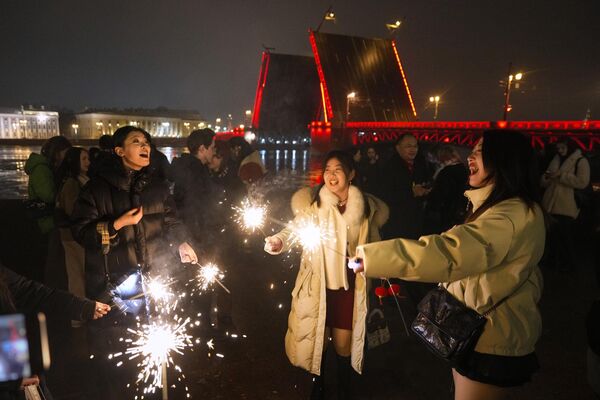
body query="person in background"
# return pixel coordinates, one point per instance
(372, 175)
(327, 300)
(72, 175)
(446, 204)
(127, 222)
(42, 185)
(494, 254)
(103, 156)
(405, 185)
(406, 180)
(250, 167)
(195, 198)
(41, 188)
(20, 295)
(567, 171)
(227, 191)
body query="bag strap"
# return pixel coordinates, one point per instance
(498, 304)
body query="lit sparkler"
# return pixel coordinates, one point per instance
(209, 274)
(250, 216)
(308, 234)
(158, 289)
(156, 343)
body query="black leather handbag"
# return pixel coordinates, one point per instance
(447, 327)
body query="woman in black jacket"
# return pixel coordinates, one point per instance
(21, 295)
(126, 219)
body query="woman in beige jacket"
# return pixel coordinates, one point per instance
(492, 255)
(327, 301)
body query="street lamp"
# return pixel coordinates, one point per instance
(349, 97)
(328, 16)
(75, 128)
(436, 100)
(509, 81)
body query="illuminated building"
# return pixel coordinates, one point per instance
(159, 123)
(28, 123)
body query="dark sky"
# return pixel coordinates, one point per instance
(205, 55)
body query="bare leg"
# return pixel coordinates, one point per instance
(342, 341)
(467, 389)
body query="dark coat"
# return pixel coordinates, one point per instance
(446, 203)
(150, 243)
(406, 210)
(193, 193)
(19, 294)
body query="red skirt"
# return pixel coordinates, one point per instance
(340, 305)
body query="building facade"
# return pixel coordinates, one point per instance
(92, 125)
(28, 124)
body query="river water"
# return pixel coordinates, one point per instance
(287, 167)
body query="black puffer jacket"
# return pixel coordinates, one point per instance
(152, 243)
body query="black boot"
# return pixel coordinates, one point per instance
(318, 389)
(346, 377)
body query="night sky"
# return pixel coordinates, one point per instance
(205, 55)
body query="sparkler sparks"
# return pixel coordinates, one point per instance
(209, 274)
(250, 216)
(158, 289)
(308, 234)
(155, 343)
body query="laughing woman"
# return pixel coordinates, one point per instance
(327, 301)
(494, 254)
(126, 220)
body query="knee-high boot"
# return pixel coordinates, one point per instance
(318, 389)
(346, 378)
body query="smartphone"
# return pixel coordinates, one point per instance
(24, 348)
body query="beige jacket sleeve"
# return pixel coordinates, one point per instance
(462, 251)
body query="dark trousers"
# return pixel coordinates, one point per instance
(560, 248)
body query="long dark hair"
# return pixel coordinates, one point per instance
(348, 166)
(511, 165)
(52, 148)
(70, 166)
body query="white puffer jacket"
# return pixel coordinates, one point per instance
(306, 322)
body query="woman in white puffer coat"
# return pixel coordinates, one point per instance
(328, 300)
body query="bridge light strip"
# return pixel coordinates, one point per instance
(412, 105)
(325, 93)
(262, 80)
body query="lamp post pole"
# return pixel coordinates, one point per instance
(509, 80)
(436, 101)
(349, 97)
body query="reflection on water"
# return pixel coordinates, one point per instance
(13, 179)
(291, 167)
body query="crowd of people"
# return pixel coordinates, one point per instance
(477, 227)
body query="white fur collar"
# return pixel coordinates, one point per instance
(355, 206)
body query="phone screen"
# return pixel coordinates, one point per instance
(14, 348)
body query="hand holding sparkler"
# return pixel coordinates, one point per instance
(187, 253)
(101, 310)
(273, 245)
(356, 264)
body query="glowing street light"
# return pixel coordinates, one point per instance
(75, 128)
(517, 77)
(248, 113)
(436, 100)
(349, 97)
(328, 16)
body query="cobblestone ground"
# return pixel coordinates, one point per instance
(256, 367)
